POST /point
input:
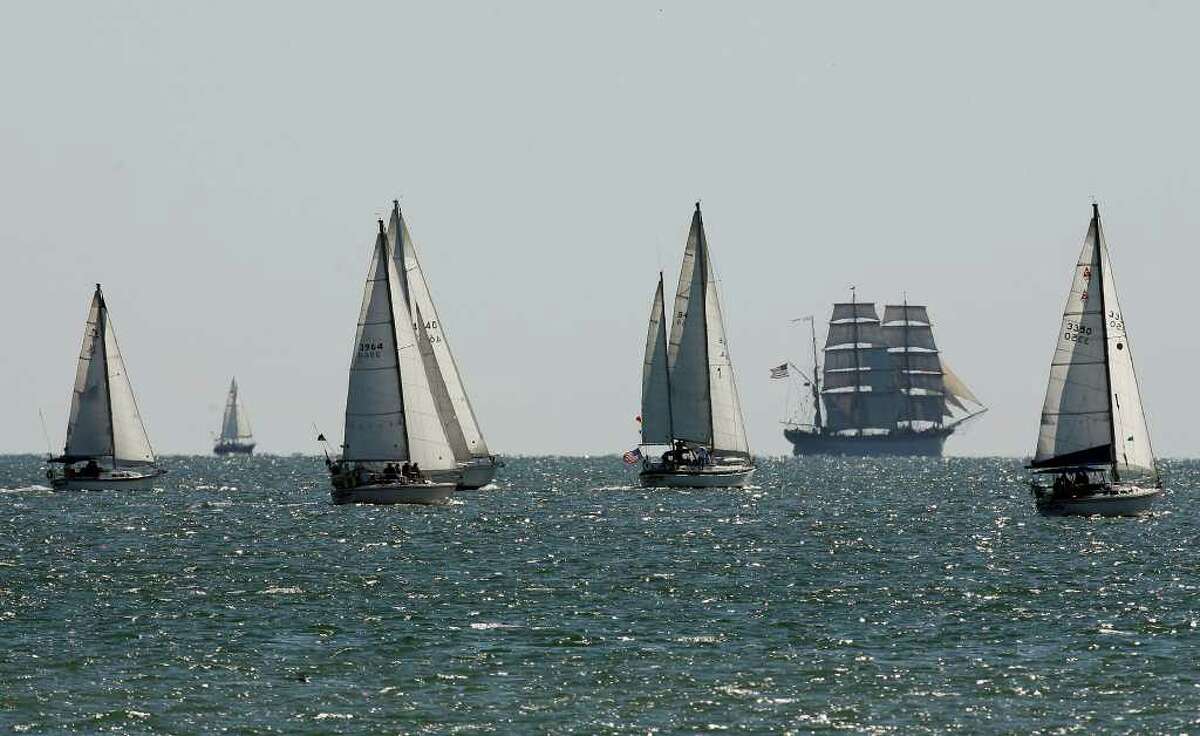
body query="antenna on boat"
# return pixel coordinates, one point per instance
(45, 434)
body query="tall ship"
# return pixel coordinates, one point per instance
(395, 448)
(1093, 439)
(236, 437)
(476, 466)
(693, 434)
(884, 388)
(107, 445)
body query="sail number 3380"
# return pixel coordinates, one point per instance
(1076, 332)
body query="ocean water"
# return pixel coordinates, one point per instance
(876, 596)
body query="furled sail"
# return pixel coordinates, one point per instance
(453, 407)
(705, 405)
(1092, 415)
(235, 424)
(656, 382)
(104, 419)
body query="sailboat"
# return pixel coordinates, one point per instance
(107, 446)
(236, 437)
(476, 465)
(1094, 440)
(394, 439)
(690, 400)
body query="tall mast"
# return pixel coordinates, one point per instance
(662, 321)
(1116, 475)
(387, 281)
(907, 367)
(816, 387)
(702, 254)
(855, 409)
(102, 330)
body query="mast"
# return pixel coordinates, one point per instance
(702, 253)
(856, 408)
(387, 282)
(816, 382)
(907, 366)
(662, 320)
(1099, 257)
(103, 335)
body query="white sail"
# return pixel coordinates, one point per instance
(704, 400)
(1133, 451)
(105, 420)
(89, 432)
(687, 346)
(131, 444)
(656, 384)
(1080, 419)
(235, 425)
(428, 445)
(729, 430)
(445, 381)
(375, 428)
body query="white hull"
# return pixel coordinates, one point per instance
(706, 477)
(420, 493)
(1117, 500)
(469, 476)
(109, 482)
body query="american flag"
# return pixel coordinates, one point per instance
(633, 457)
(780, 371)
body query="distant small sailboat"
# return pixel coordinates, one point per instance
(476, 465)
(107, 446)
(394, 438)
(236, 437)
(1094, 439)
(690, 400)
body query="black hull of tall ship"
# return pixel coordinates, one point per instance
(905, 444)
(223, 450)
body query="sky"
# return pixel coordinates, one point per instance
(219, 167)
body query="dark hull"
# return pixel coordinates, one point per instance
(234, 449)
(907, 444)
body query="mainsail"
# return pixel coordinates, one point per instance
(104, 419)
(444, 380)
(1093, 415)
(390, 412)
(235, 424)
(703, 396)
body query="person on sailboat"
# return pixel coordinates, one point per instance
(702, 457)
(416, 471)
(92, 469)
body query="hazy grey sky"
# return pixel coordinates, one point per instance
(219, 168)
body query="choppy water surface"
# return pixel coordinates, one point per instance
(888, 596)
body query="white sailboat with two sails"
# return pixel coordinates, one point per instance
(107, 447)
(394, 440)
(236, 437)
(1094, 440)
(476, 466)
(690, 402)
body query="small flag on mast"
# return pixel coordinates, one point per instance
(633, 457)
(779, 371)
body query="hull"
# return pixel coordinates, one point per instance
(469, 476)
(1111, 500)
(233, 449)
(706, 477)
(910, 444)
(122, 481)
(418, 493)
